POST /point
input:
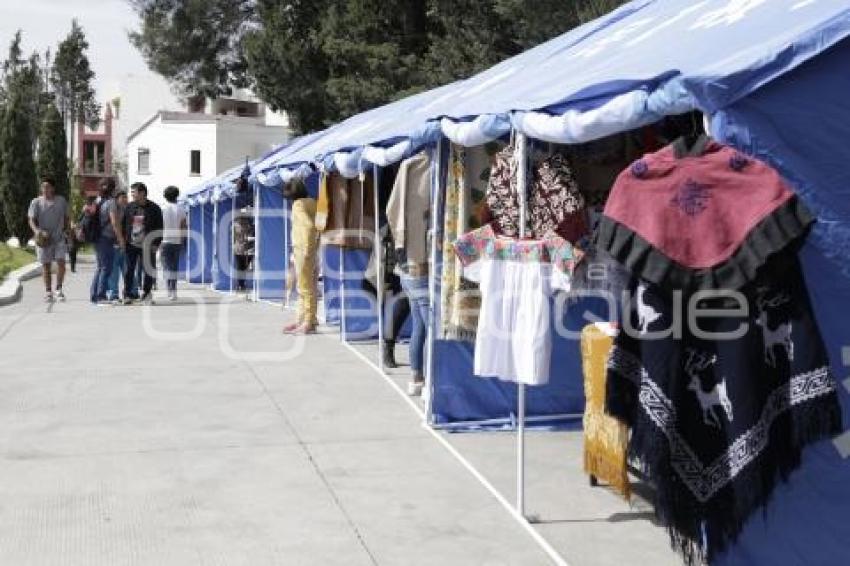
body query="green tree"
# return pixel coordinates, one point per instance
(462, 46)
(536, 21)
(286, 60)
(194, 44)
(323, 60)
(73, 83)
(18, 182)
(26, 78)
(53, 151)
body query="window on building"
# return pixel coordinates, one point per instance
(195, 162)
(144, 163)
(94, 157)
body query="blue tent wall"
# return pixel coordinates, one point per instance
(331, 285)
(459, 396)
(360, 312)
(343, 272)
(195, 245)
(223, 245)
(271, 259)
(208, 211)
(800, 124)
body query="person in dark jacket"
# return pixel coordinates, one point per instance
(143, 235)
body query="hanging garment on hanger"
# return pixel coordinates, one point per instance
(516, 279)
(555, 203)
(717, 423)
(465, 210)
(323, 203)
(409, 213)
(350, 221)
(502, 200)
(701, 218)
(720, 405)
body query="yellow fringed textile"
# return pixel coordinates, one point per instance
(606, 439)
(323, 205)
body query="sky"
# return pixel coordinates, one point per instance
(106, 22)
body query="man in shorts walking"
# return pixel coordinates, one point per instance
(48, 219)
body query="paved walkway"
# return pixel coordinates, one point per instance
(195, 433)
(119, 448)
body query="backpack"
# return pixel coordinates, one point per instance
(88, 228)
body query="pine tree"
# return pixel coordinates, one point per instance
(26, 77)
(72, 79)
(18, 182)
(53, 151)
(195, 45)
(323, 60)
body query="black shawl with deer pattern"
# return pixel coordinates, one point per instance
(717, 420)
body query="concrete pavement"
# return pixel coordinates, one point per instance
(121, 449)
(176, 434)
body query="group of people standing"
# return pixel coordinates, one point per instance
(126, 234)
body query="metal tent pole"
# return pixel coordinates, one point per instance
(188, 273)
(379, 264)
(203, 245)
(257, 270)
(286, 253)
(215, 266)
(437, 190)
(522, 185)
(232, 267)
(342, 335)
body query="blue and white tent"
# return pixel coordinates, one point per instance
(772, 77)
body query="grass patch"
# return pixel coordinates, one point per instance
(13, 258)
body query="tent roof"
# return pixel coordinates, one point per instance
(656, 56)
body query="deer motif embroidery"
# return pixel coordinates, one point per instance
(780, 336)
(695, 364)
(646, 314)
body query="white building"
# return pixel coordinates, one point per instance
(138, 97)
(184, 148)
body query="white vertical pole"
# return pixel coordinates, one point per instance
(437, 190)
(203, 245)
(215, 266)
(286, 254)
(342, 274)
(379, 264)
(522, 185)
(188, 245)
(257, 271)
(231, 268)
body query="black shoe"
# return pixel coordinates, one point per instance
(389, 354)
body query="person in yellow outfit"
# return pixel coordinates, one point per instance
(305, 246)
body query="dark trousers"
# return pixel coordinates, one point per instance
(146, 257)
(243, 262)
(399, 306)
(72, 257)
(105, 250)
(171, 264)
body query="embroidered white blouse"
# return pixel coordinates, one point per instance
(516, 278)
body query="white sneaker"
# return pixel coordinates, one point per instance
(60, 295)
(172, 296)
(48, 297)
(147, 299)
(414, 388)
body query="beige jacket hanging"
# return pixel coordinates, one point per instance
(409, 213)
